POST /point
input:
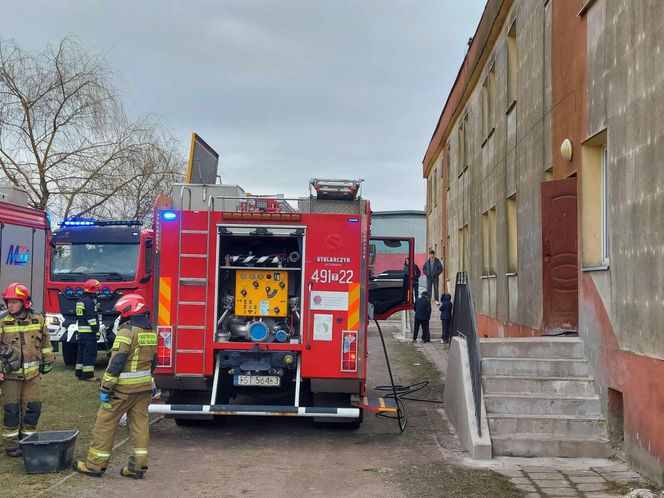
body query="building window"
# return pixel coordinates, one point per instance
(489, 103)
(512, 65)
(604, 162)
(446, 261)
(489, 249)
(429, 206)
(435, 187)
(462, 162)
(594, 201)
(462, 259)
(512, 235)
(445, 170)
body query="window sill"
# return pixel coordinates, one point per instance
(603, 267)
(511, 274)
(486, 277)
(488, 137)
(510, 107)
(585, 7)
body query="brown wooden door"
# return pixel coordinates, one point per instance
(560, 255)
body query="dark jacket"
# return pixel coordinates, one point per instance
(416, 274)
(446, 307)
(432, 269)
(422, 308)
(86, 314)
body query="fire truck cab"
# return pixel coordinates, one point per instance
(265, 312)
(117, 253)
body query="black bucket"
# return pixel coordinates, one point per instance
(45, 452)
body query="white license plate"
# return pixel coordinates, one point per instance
(257, 380)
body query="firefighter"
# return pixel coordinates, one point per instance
(26, 333)
(126, 387)
(88, 331)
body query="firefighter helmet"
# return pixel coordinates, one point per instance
(91, 286)
(130, 304)
(20, 292)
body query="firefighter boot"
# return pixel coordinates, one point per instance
(81, 468)
(132, 473)
(12, 417)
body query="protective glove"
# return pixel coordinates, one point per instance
(97, 335)
(104, 397)
(154, 389)
(44, 369)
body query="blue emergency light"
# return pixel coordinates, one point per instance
(86, 222)
(169, 215)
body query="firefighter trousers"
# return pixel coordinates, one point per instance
(87, 355)
(21, 408)
(136, 407)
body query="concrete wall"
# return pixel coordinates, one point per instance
(434, 208)
(584, 68)
(513, 159)
(621, 312)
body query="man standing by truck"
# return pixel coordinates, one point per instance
(126, 387)
(432, 269)
(88, 331)
(25, 332)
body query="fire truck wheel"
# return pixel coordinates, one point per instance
(69, 352)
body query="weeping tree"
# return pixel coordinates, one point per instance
(66, 140)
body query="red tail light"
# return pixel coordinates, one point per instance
(164, 346)
(349, 351)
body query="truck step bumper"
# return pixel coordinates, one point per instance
(255, 410)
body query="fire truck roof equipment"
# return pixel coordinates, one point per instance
(336, 189)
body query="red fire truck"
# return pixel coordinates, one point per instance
(117, 253)
(266, 313)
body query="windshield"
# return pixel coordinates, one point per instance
(105, 262)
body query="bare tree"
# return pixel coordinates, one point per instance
(64, 134)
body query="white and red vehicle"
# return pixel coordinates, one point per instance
(266, 313)
(24, 235)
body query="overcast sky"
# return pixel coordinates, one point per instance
(284, 90)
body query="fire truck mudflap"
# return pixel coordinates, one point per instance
(254, 306)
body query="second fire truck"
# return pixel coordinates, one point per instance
(117, 253)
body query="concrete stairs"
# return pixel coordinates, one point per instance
(540, 400)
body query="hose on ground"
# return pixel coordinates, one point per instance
(399, 392)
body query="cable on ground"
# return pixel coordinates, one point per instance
(400, 392)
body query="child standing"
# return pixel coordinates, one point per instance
(446, 317)
(422, 316)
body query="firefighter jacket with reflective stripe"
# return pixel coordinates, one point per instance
(86, 315)
(133, 358)
(29, 338)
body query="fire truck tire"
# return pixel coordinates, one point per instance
(69, 352)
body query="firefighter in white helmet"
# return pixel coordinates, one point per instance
(126, 387)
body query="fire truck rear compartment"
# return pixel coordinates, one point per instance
(259, 284)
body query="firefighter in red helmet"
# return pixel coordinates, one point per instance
(126, 387)
(88, 331)
(25, 332)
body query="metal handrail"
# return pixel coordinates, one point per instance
(464, 323)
